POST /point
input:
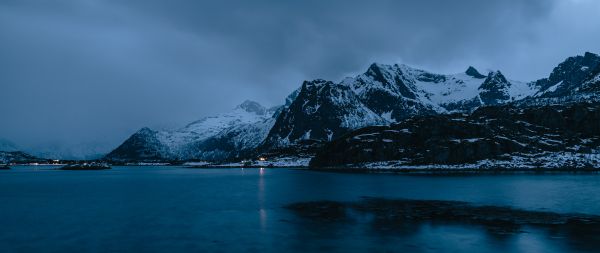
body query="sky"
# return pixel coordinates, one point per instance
(94, 71)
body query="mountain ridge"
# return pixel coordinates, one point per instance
(321, 111)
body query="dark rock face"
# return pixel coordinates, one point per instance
(386, 89)
(471, 71)
(141, 146)
(493, 90)
(568, 75)
(494, 132)
(592, 85)
(464, 105)
(322, 111)
(88, 166)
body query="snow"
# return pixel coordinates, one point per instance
(548, 160)
(387, 116)
(456, 88)
(196, 163)
(519, 90)
(284, 162)
(306, 135)
(255, 122)
(554, 87)
(279, 162)
(431, 90)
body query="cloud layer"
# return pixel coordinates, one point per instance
(89, 71)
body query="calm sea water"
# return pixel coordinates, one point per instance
(171, 209)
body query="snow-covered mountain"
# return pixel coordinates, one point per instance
(384, 94)
(320, 111)
(567, 77)
(210, 138)
(402, 91)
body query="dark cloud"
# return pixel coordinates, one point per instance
(80, 71)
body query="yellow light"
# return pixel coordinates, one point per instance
(262, 159)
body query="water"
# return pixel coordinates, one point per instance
(171, 209)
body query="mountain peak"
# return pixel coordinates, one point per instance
(252, 107)
(471, 71)
(494, 89)
(589, 55)
(145, 130)
(375, 71)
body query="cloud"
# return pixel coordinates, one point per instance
(74, 71)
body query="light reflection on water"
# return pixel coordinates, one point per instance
(167, 209)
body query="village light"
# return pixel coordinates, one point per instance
(262, 159)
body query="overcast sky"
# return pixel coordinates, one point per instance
(75, 71)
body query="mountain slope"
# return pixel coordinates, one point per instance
(239, 126)
(402, 91)
(568, 76)
(322, 111)
(19, 157)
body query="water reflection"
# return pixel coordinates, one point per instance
(167, 209)
(262, 213)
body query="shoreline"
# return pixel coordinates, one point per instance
(363, 170)
(468, 171)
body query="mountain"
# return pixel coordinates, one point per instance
(568, 76)
(321, 111)
(19, 157)
(504, 136)
(592, 84)
(63, 151)
(211, 138)
(384, 94)
(6, 145)
(11, 153)
(402, 91)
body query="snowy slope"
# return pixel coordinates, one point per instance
(409, 91)
(178, 141)
(244, 127)
(321, 111)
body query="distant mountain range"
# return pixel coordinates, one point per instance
(336, 122)
(214, 138)
(82, 151)
(322, 111)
